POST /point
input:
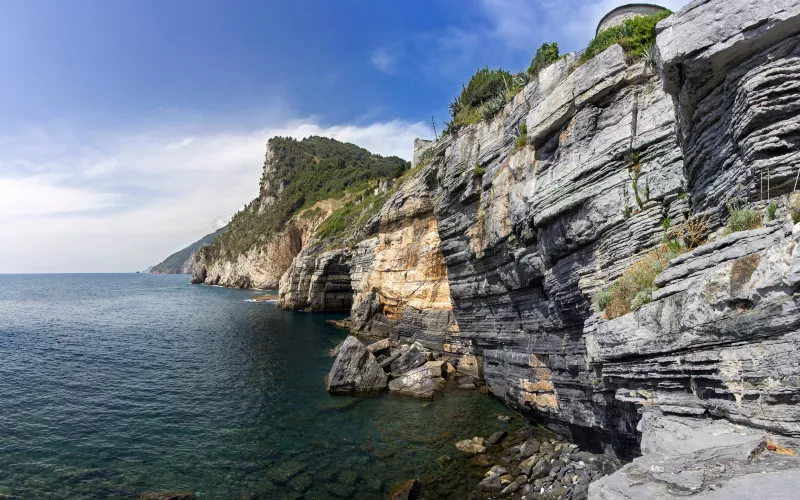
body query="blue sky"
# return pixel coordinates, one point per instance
(129, 129)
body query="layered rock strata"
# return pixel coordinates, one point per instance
(395, 281)
(704, 459)
(529, 242)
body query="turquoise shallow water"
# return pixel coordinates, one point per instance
(116, 385)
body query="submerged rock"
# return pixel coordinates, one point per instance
(169, 495)
(496, 438)
(285, 471)
(472, 446)
(355, 369)
(405, 490)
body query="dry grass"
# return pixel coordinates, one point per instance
(692, 232)
(779, 449)
(636, 283)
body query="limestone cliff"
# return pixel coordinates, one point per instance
(612, 151)
(303, 182)
(394, 282)
(493, 248)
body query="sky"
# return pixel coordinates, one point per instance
(131, 128)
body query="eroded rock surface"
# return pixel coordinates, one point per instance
(703, 458)
(355, 369)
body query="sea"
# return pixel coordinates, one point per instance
(115, 386)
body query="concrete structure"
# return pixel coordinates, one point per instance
(624, 12)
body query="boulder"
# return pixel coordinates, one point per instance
(355, 369)
(379, 346)
(530, 447)
(388, 360)
(405, 490)
(472, 446)
(415, 356)
(421, 382)
(437, 368)
(491, 483)
(496, 438)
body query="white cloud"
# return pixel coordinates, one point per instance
(40, 195)
(134, 199)
(383, 60)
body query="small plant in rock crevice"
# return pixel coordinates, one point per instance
(634, 288)
(521, 137)
(691, 232)
(742, 218)
(771, 209)
(478, 171)
(634, 173)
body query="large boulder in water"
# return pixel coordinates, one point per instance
(355, 369)
(421, 382)
(414, 357)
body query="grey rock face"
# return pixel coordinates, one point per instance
(528, 244)
(421, 382)
(412, 358)
(355, 369)
(318, 283)
(703, 458)
(733, 68)
(723, 344)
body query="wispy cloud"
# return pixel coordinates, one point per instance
(383, 60)
(131, 199)
(500, 32)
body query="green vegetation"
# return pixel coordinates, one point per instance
(741, 218)
(636, 36)
(635, 287)
(522, 137)
(546, 55)
(485, 85)
(478, 171)
(301, 173)
(771, 209)
(634, 172)
(796, 216)
(348, 220)
(177, 262)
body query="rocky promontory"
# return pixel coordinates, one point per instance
(612, 250)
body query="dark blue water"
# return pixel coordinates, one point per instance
(112, 386)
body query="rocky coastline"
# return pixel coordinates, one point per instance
(487, 266)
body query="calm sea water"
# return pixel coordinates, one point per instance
(112, 386)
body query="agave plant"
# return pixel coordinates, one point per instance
(650, 57)
(493, 106)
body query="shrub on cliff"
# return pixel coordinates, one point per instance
(741, 217)
(546, 55)
(635, 35)
(634, 288)
(484, 86)
(348, 220)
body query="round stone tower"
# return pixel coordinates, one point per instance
(627, 11)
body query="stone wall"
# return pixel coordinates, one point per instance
(624, 12)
